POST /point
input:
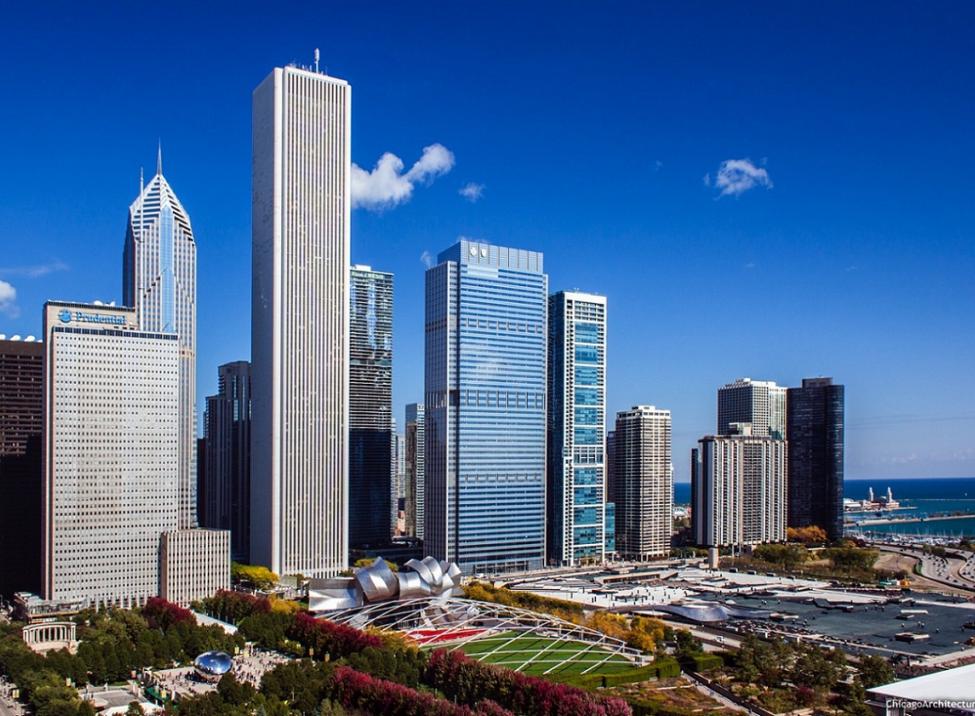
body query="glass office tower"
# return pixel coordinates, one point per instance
(370, 406)
(225, 477)
(486, 352)
(159, 282)
(816, 437)
(21, 476)
(576, 428)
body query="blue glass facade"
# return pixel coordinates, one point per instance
(576, 432)
(486, 328)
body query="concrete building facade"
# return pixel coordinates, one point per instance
(300, 323)
(739, 489)
(644, 480)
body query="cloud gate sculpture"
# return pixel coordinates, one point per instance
(425, 577)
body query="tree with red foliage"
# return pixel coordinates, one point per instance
(469, 682)
(326, 637)
(161, 614)
(355, 690)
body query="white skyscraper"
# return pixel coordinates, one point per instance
(644, 482)
(300, 317)
(739, 488)
(111, 419)
(761, 403)
(159, 282)
(112, 513)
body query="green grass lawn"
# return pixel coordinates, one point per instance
(568, 657)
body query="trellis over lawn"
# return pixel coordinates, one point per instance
(516, 638)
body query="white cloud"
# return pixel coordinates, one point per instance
(736, 176)
(426, 258)
(35, 271)
(387, 185)
(8, 300)
(472, 191)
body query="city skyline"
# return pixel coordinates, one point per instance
(838, 279)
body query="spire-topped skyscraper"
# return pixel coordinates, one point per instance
(159, 282)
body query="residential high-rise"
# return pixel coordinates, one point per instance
(226, 470)
(610, 466)
(486, 353)
(397, 486)
(300, 323)
(370, 406)
(159, 282)
(576, 490)
(415, 438)
(111, 453)
(21, 478)
(816, 435)
(760, 403)
(739, 488)
(644, 483)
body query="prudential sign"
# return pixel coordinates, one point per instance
(66, 316)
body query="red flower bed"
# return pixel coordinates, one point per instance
(430, 636)
(467, 681)
(327, 637)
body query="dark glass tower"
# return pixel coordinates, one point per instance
(225, 482)
(21, 476)
(815, 430)
(415, 451)
(370, 407)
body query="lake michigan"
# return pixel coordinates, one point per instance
(920, 497)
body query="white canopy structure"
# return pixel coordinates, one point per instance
(516, 638)
(950, 691)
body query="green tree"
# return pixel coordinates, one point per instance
(687, 643)
(875, 671)
(301, 684)
(850, 559)
(330, 708)
(134, 709)
(233, 691)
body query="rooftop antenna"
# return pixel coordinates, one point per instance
(316, 59)
(159, 159)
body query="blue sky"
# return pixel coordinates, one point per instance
(843, 247)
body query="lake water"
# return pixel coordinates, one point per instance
(928, 496)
